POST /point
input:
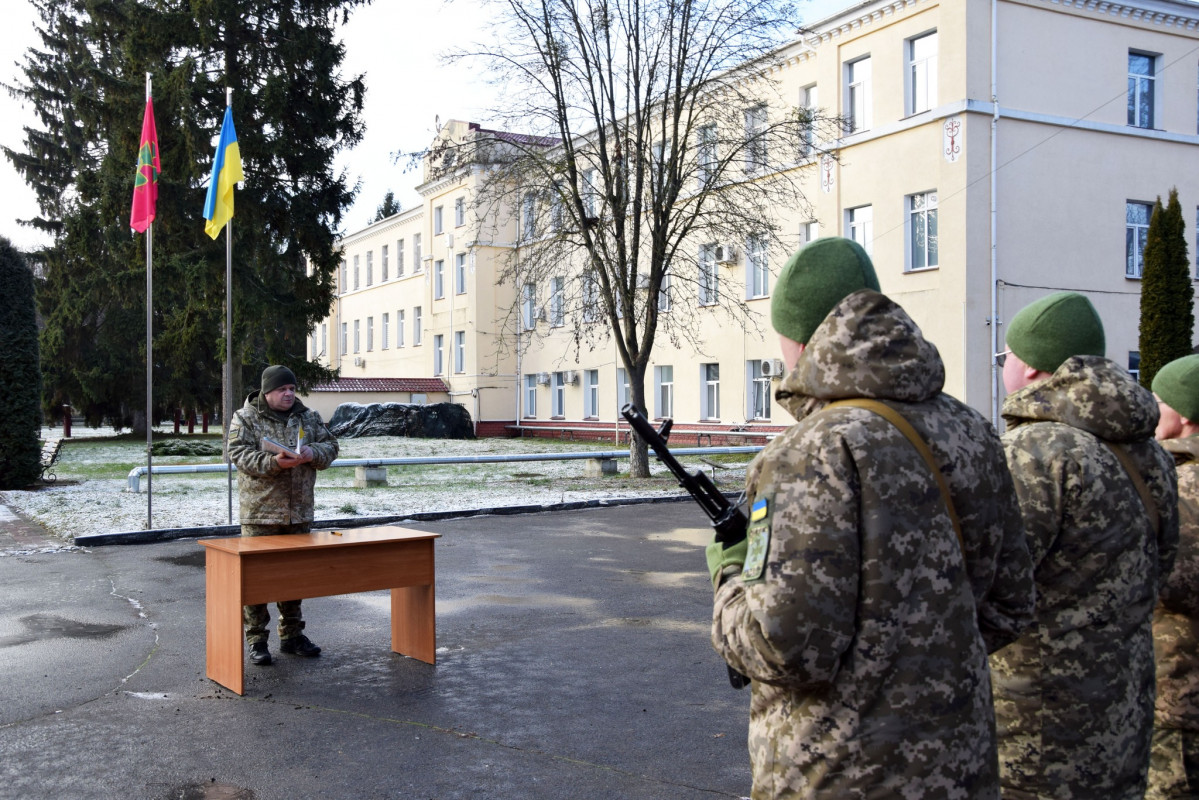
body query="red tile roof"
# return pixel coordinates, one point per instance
(383, 385)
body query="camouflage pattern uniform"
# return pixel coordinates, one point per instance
(864, 629)
(1074, 697)
(274, 500)
(1174, 760)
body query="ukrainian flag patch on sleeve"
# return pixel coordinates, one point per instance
(758, 535)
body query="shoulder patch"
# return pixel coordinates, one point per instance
(758, 535)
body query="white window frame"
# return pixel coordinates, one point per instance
(383, 265)
(399, 327)
(399, 258)
(921, 231)
(664, 391)
(557, 301)
(342, 277)
(459, 212)
(558, 396)
(528, 308)
(459, 352)
(324, 338)
(709, 398)
(438, 221)
(623, 395)
(755, 139)
(1142, 90)
(530, 410)
(758, 391)
(384, 331)
(709, 276)
(528, 216)
(1135, 233)
(355, 272)
(664, 294)
(438, 354)
(357, 334)
(370, 334)
(591, 197)
(858, 74)
(859, 224)
(591, 298)
(312, 339)
(591, 393)
(418, 334)
(417, 264)
(921, 85)
(757, 268)
(808, 99)
(439, 279)
(370, 267)
(705, 155)
(345, 338)
(460, 273)
(808, 232)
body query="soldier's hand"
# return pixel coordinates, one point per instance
(721, 557)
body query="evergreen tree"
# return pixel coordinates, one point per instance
(1167, 317)
(293, 112)
(388, 208)
(20, 379)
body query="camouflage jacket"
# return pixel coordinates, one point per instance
(856, 615)
(269, 494)
(1176, 618)
(1074, 697)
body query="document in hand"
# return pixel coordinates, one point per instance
(271, 446)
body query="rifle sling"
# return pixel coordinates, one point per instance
(1134, 474)
(895, 418)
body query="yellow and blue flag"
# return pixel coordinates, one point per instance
(226, 171)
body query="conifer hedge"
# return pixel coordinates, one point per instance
(20, 375)
(1167, 318)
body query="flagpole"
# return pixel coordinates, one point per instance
(149, 363)
(229, 337)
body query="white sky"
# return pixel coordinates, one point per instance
(397, 44)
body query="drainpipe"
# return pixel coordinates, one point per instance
(996, 339)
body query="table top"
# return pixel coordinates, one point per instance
(350, 537)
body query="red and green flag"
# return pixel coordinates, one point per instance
(145, 185)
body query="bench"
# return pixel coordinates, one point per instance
(261, 569)
(50, 452)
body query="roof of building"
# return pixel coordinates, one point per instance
(382, 385)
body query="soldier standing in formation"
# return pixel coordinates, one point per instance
(862, 618)
(1174, 757)
(276, 490)
(1098, 496)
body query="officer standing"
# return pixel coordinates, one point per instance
(861, 615)
(275, 490)
(1074, 697)
(1174, 755)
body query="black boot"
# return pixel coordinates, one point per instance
(299, 646)
(259, 655)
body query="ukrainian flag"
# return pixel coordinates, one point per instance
(226, 171)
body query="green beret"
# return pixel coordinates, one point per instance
(275, 376)
(1177, 384)
(815, 278)
(1047, 332)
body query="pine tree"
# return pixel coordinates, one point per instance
(293, 112)
(20, 379)
(389, 207)
(1167, 318)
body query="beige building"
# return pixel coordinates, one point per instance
(994, 151)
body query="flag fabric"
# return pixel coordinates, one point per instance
(226, 171)
(145, 185)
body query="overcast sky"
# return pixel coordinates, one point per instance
(398, 46)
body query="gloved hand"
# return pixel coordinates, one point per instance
(720, 557)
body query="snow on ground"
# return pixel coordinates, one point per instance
(92, 496)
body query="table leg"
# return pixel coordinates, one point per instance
(413, 623)
(224, 651)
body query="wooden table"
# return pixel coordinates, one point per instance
(261, 569)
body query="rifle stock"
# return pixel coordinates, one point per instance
(727, 520)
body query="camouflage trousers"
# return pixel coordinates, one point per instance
(1173, 764)
(255, 618)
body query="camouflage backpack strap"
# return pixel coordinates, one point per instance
(895, 418)
(1134, 475)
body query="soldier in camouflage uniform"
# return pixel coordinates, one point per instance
(1074, 697)
(1174, 756)
(276, 490)
(862, 620)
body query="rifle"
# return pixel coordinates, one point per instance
(727, 520)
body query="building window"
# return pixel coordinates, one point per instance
(808, 232)
(559, 395)
(383, 266)
(860, 223)
(557, 301)
(341, 282)
(370, 334)
(857, 95)
(591, 298)
(417, 332)
(922, 230)
(757, 267)
(383, 332)
(438, 353)
(417, 264)
(399, 328)
(399, 258)
(755, 140)
(459, 351)
(345, 339)
(1134, 364)
(661, 162)
(591, 393)
(922, 73)
(709, 286)
(664, 391)
(528, 311)
(1136, 229)
(370, 267)
(459, 212)
(355, 272)
(664, 291)
(438, 279)
(556, 211)
(357, 330)
(709, 401)
(528, 215)
(623, 395)
(705, 155)
(759, 390)
(460, 273)
(315, 352)
(418, 398)
(437, 223)
(324, 338)
(1141, 81)
(807, 133)
(530, 395)
(590, 193)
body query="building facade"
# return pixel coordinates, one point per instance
(993, 151)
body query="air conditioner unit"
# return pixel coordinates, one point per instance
(772, 368)
(571, 376)
(543, 379)
(726, 254)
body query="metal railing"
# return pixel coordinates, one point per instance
(135, 474)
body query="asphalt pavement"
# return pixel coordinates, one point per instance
(573, 662)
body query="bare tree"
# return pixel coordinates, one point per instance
(654, 132)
